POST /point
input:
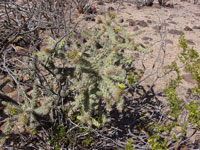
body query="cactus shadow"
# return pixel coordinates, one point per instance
(141, 108)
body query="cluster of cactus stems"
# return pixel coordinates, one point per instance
(23, 116)
(101, 70)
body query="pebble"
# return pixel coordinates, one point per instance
(136, 28)
(142, 23)
(131, 22)
(169, 41)
(100, 3)
(121, 20)
(157, 28)
(196, 27)
(111, 9)
(189, 78)
(187, 28)
(147, 38)
(190, 42)
(175, 32)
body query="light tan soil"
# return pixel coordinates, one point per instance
(183, 17)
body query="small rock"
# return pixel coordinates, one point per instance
(136, 28)
(100, 3)
(197, 14)
(17, 97)
(131, 22)
(184, 147)
(196, 27)
(146, 42)
(174, 31)
(123, 8)
(156, 5)
(187, 28)
(172, 16)
(102, 12)
(121, 20)
(189, 78)
(137, 55)
(147, 38)
(170, 5)
(168, 41)
(142, 23)
(157, 28)
(166, 10)
(111, 9)
(149, 21)
(173, 22)
(190, 42)
(165, 24)
(89, 18)
(110, 1)
(8, 88)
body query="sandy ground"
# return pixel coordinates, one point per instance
(179, 17)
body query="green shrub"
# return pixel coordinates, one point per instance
(102, 70)
(128, 145)
(190, 58)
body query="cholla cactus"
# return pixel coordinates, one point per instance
(23, 116)
(101, 69)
